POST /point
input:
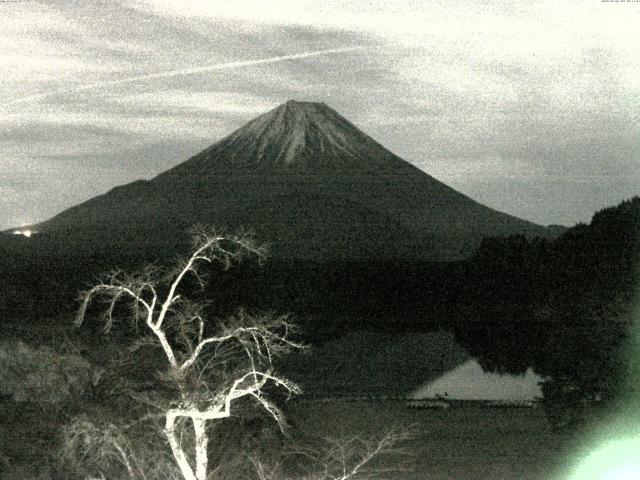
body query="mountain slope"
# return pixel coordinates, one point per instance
(308, 182)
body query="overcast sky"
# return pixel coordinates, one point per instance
(530, 107)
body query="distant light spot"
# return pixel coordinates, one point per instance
(26, 233)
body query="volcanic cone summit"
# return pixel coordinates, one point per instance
(292, 137)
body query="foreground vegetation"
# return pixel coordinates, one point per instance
(456, 444)
(469, 442)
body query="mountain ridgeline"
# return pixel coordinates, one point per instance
(306, 181)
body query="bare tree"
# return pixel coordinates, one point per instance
(346, 458)
(211, 365)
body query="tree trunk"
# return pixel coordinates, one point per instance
(202, 441)
(176, 449)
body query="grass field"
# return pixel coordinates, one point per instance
(465, 443)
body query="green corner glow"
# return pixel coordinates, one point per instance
(618, 460)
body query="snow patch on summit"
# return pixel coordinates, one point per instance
(293, 129)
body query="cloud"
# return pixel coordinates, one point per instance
(205, 101)
(183, 71)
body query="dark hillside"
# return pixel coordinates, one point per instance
(565, 307)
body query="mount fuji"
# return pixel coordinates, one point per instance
(307, 181)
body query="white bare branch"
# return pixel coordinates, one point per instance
(112, 292)
(260, 334)
(209, 247)
(178, 326)
(347, 458)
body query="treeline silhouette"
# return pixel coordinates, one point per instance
(565, 307)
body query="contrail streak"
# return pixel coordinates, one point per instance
(185, 71)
